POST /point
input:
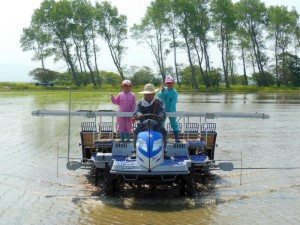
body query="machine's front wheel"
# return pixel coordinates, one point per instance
(181, 187)
(109, 185)
(187, 186)
(190, 187)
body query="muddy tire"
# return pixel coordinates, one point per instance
(186, 187)
(181, 187)
(190, 187)
(204, 176)
(203, 179)
(96, 174)
(109, 185)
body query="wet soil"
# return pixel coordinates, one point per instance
(156, 191)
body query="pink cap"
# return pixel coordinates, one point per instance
(169, 79)
(126, 82)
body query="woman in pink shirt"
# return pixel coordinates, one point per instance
(127, 103)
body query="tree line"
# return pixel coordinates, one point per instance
(264, 39)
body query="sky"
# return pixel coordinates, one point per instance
(16, 15)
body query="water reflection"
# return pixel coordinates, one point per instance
(229, 98)
(181, 211)
(36, 188)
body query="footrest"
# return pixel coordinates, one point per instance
(103, 143)
(197, 144)
(119, 158)
(199, 158)
(180, 158)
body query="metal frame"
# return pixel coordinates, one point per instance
(93, 114)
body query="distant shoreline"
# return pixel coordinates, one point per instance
(22, 86)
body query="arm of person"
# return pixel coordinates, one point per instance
(162, 93)
(115, 100)
(138, 115)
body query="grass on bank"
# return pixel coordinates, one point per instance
(16, 86)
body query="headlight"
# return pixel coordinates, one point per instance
(141, 144)
(157, 144)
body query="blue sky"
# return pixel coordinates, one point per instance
(16, 15)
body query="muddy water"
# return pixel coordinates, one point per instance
(36, 188)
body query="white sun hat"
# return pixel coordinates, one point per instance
(149, 89)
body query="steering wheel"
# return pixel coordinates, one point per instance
(150, 121)
(151, 116)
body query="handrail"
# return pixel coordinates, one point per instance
(207, 115)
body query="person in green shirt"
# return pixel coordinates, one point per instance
(169, 96)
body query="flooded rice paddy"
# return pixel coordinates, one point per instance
(36, 187)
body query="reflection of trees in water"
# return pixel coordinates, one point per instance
(229, 98)
(79, 100)
(280, 98)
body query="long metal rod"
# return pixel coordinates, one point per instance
(149, 153)
(92, 114)
(69, 127)
(95, 130)
(267, 168)
(57, 160)
(241, 167)
(261, 168)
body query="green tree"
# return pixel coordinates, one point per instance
(252, 18)
(186, 75)
(243, 44)
(143, 76)
(110, 78)
(282, 23)
(164, 11)
(64, 78)
(182, 10)
(294, 68)
(152, 32)
(225, 23)
(55, 19)
(82, 34)
(200, 26)
(215, 77)
(263, 80)
(33, 38)
(112, 27)
(43, 75)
